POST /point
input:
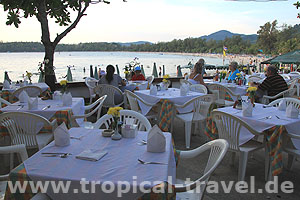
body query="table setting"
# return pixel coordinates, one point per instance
(106, 160)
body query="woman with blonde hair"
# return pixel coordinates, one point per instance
(196, 75)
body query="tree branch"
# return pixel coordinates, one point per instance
(73, 25)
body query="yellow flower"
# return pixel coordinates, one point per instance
(63, 82)
(165, 80)
(126, 72)
(252, 89)
(245, 68)
(114, 111)
(166, 76)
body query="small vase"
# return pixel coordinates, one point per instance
(116, 135)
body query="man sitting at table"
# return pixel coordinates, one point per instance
(233, 67)
(273, 84)
(138, 76)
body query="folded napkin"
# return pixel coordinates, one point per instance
(91, 155)
(57, 95)
(6, 84)
(184, 88)
(23, 97)
(153, 90)
(282, 105)
(156, 141)
(33, 103)
(61, 135)
(247, 108)
(292, 111)
(67, 99)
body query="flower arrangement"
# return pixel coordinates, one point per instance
(64, 86)
(238, 75)
(165, 78)
(223, 74)
(29, 75)
(251, 93)
(115, 113)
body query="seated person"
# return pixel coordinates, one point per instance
(138, 76)
(233, 71)
(196, 75)
(273, 84)
(110, 78)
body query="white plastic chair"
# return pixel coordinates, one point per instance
(220, 92)
(3, 101)
(31, 90)
(199, 114)
(185, 81)
(198, 88)
(111, 91)
(133, 102)
(20, 149)
(286, 93)
(150, 79)
(91, 83)
(285, 76)
(96, 106)
(196, 189)
(229, 128)
(140, 120)
(23, 128)
(290, 150)
(288, 100)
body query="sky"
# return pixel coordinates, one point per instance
(158, 20)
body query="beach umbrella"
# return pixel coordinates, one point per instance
(6, 77)
(69, 75)
(179, 73)
(118, 71)
(142, 69)
(154, 72)
(96, 76)
(164, 72)
(91, 71)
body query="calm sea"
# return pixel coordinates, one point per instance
(16, 64)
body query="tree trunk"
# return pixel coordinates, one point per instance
(49, 68)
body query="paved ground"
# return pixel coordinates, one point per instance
(225, 172)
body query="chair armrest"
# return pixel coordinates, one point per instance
(292, 135)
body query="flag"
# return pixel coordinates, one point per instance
(224, 53)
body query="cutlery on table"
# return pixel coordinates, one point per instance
(46, 107)
(56, 155)
(22, 106)
(268, 117)
(143, 142)
(266, 106)
(145, 163)
(77, 138)
(281, 118)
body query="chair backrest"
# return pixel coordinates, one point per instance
(201, 109)
(198, 88)
(285, 76)
(31, 90)
(218, 149)
(23, 131)
(229, 128)
(4, 102)
(142, 122)
(185, 81)
(292, 83)
(132, 99)
(97, 105)
(288, 100)
(20, 149)
(91, 83)
(150, 79)
(222, 90)
(110, 91)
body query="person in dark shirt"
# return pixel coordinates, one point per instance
(273, 84)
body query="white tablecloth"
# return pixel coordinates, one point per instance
(259, 123)
(120, 164)
(43, 86)
(172, 94)
(55, 105)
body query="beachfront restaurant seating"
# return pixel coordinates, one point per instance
(198, 88)
(288, 101)
(286, 93)
(31, 90)
(229, 128)
(115, 96)
(195, 189)
(140, 120)
(220, 92)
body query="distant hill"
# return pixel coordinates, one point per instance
(127, 44)
(221, 35)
